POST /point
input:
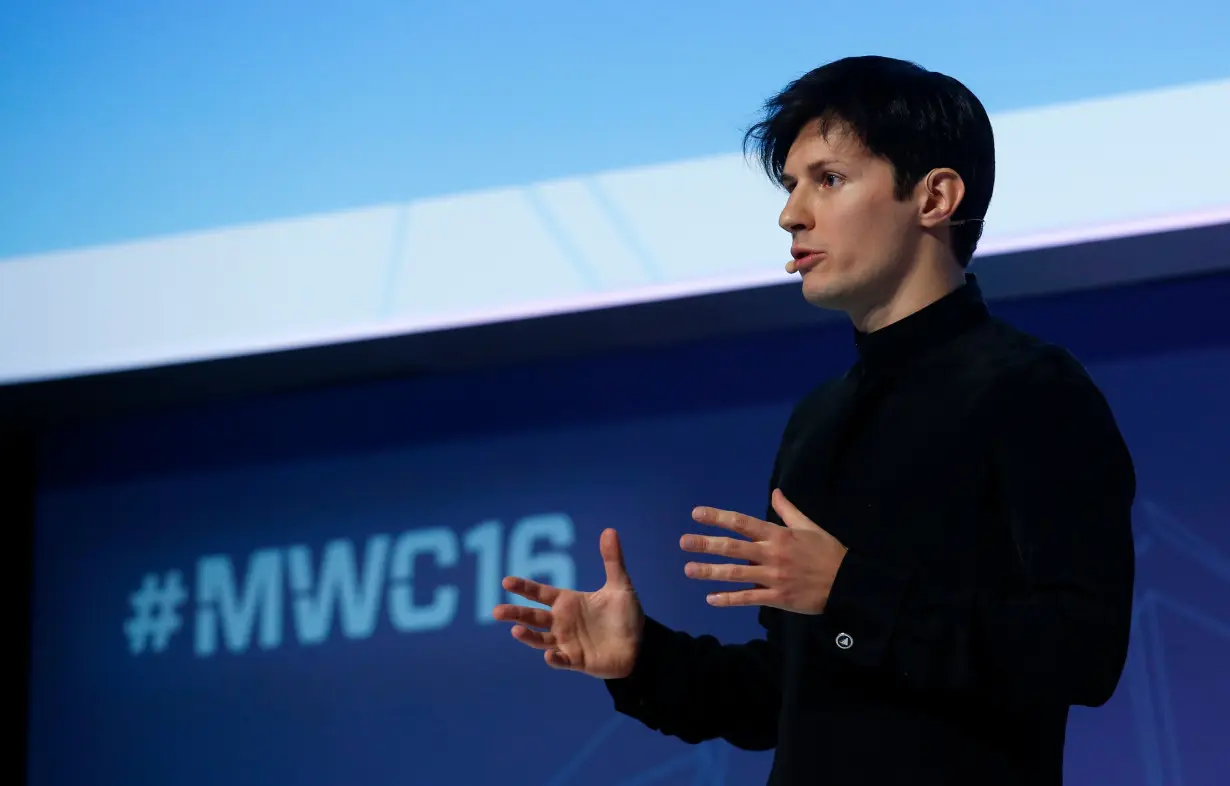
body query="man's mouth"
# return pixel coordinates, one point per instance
(804, 262)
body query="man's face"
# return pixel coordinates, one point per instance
(842, 207)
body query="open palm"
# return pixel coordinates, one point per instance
(596, 633)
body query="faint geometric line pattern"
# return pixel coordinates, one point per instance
(623, 227)
(397, 260)
(706, 763)
(1148, 679)
(566, 772)
(560, 237)
(709, 761)
(1165, 527)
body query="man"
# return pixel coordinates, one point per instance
(947, 562)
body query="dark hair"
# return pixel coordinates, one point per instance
(917, 120)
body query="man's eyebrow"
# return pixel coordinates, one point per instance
(814, 168)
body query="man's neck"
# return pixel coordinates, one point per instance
(926, 285)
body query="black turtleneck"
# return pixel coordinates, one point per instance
(981, 485)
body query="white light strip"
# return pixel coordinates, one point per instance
(1112, 231)
(733, 283)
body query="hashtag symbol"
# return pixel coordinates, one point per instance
(155, 616)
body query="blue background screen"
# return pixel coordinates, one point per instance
(331, 556)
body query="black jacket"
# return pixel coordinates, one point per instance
(979, 480)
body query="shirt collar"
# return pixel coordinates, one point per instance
(895, 345)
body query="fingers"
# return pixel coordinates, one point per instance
(531, 590)
(749, 527)
(557, 660)
(748, 597)
(525, 615)
(613, 559)
(543, 640)
(721, 547)
(744, 574)
(538, 639)
(791, 516)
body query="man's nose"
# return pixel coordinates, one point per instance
(794, 217)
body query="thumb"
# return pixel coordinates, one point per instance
(791, 516)
(613, 560)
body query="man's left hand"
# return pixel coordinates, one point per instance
(793, 567)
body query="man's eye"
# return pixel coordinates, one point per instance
(831, 180)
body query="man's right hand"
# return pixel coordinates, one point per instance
(597, 633)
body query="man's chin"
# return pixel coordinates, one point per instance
(823, 295)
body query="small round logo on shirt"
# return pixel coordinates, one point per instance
(845, 641)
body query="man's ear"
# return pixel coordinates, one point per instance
(939, 195)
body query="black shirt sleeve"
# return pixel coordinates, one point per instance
(1067, 485)
(697, 689)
